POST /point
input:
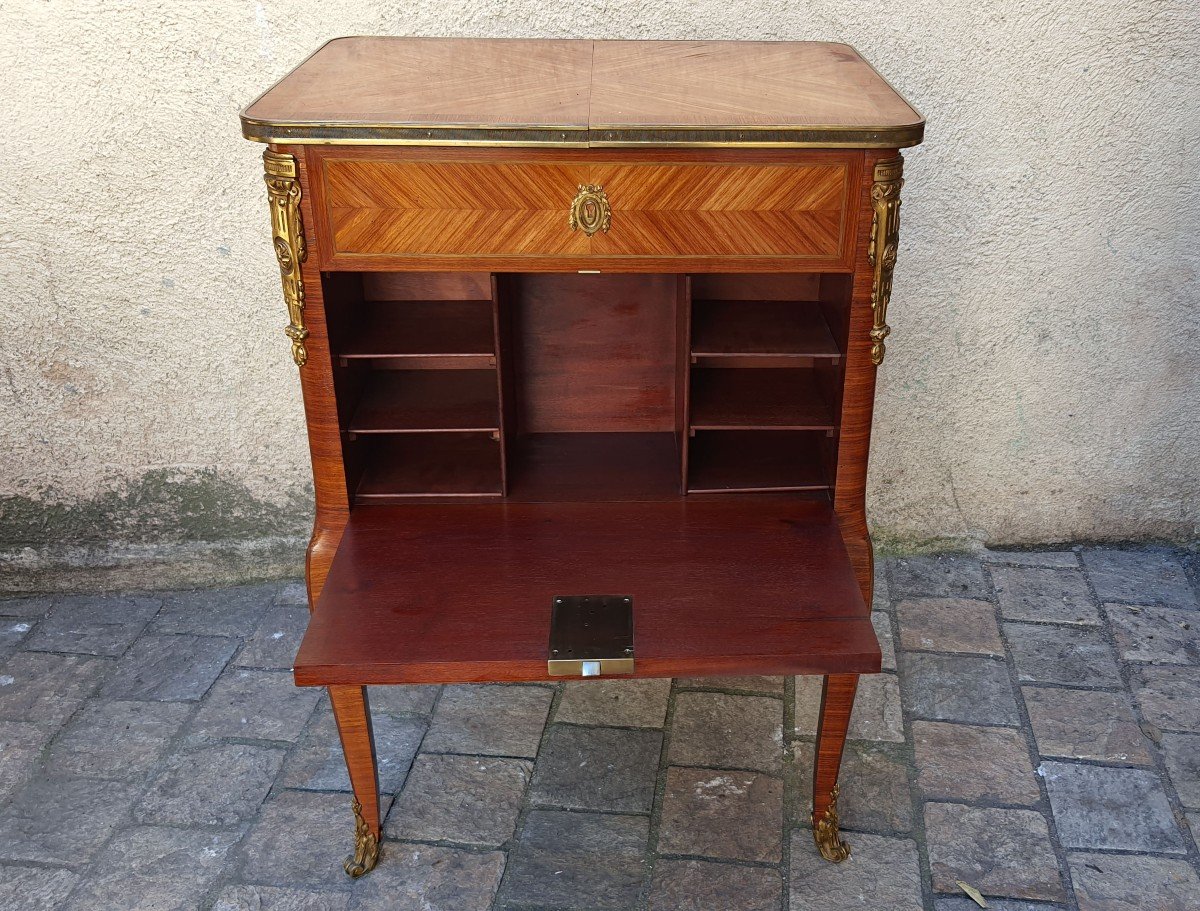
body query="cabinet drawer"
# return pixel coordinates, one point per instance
(519, 212)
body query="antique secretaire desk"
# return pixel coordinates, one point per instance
(588, 334)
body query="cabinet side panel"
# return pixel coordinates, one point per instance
(858, 398)
(320, 402)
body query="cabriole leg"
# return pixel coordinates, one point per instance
(837, 701)
(353, 715)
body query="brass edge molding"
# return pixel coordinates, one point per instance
(881, 250)
(826, 834)
(366, 846)
(590, 210)
(281, 174)
(856, 137)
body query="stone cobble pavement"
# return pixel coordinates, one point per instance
(1035, 734)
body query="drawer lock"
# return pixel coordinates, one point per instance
(591, 636)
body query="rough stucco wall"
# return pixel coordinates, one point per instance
(1041, 383)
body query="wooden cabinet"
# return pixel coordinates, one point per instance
(588, 335)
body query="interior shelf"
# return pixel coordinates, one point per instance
(742, 328)
(750, 461)
(547, 467)
(758, 399)
(414, 401)
(422, 330)
(403, 466)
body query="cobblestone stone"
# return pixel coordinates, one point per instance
(116, 739)
(1140, 577)
(46, 689)
(264, 705)
(591, 768)
(615, 702)
(1159, 634)
(21, 743)
(1169, 697)
(949, 625)
(113, 779)
(37, 606)
(938, 576)
(150, 867)
(1182, 755)
(273, 898)
(489, 720)
(220, 784)
(317, 764)
(880, 873)
(1113, 882)
(721, 731)
(94, 624)
(299, 839)
(275, 642)
(1047, 595)
(772, 685)
(877, 713)
(876, 794)
(169, 668)
(215, 612)
(698, 885)
(958, 688)
(1075, 656)
(1085, 724)
(1115, 809)
(728, 815)
(62, 820)
(34, 888)
(577, 860)
(1006, 853)
(964, 762)
(431, 878)
(469, 800)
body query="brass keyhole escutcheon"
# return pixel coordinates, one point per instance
(590, 210)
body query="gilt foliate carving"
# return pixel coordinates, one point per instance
(826, 833)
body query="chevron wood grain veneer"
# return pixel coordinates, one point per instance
(587, 334)
(395, 209)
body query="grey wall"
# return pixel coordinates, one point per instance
(1041, 381)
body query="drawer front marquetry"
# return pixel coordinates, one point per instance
(574, 213)
(452, 208)
(722, 210)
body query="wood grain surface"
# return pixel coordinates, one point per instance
(423, 594)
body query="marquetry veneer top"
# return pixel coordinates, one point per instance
(455, 91)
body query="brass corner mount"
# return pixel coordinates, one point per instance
(881, 251)
(282, 176)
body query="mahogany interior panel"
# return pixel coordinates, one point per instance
(397, 467)
(396, 401)
(778, 398)
(550, 467)
(402, 605)
(729, 461)
(419, 286)
(594, 352)
(421, 329)
(783, 328)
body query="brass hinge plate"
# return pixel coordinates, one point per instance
(591, 636)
